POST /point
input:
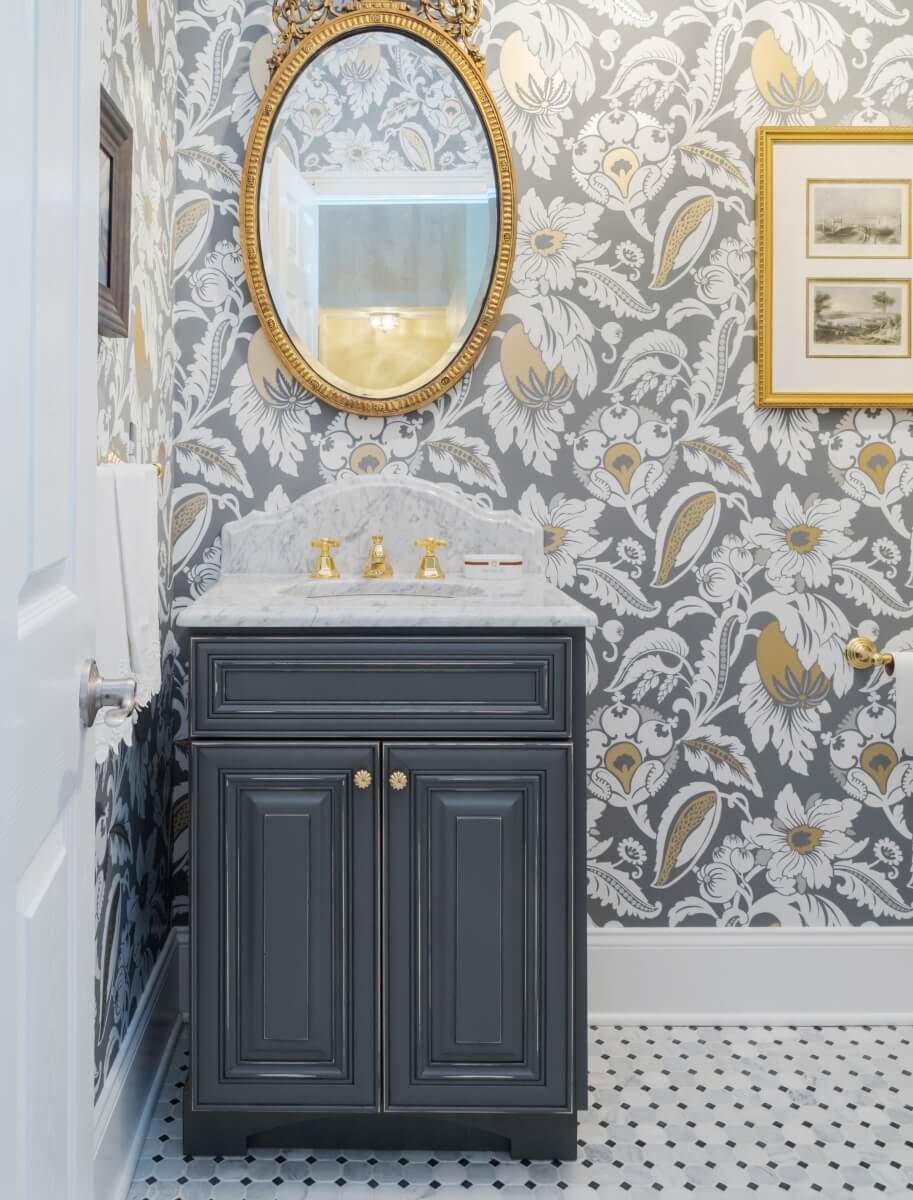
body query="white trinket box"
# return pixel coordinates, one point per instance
(492, 566)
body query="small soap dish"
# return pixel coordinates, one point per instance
(492, 566)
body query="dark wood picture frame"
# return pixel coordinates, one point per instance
(116, 143)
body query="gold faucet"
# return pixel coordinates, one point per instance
(378, 565)
(326, 568)
(429, 567)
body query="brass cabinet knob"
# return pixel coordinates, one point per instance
(362, 779)
(398, 780)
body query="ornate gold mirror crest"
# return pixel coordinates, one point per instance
(295, 19)
(378, 203)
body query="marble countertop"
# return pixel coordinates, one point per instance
(270, 601)
(267, 557)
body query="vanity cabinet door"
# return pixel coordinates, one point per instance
(284, 924)
(477, 926)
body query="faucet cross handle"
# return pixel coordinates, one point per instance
(430, 567)
(326, 568)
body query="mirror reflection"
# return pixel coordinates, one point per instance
(378, 213)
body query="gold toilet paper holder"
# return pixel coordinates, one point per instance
(862, 654)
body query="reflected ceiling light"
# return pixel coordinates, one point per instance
(384, 322)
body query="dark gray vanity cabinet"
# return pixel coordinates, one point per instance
(386, 925)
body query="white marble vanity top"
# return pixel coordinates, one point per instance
(274, 601)
(267, 557)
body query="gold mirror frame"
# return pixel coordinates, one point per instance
(305, 28)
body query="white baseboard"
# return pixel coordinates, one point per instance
(858, 976)
(129, 1095)
(834, 976)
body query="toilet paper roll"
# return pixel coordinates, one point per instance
(903, 699)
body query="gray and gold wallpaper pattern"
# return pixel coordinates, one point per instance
(738, 773)
(135, 392)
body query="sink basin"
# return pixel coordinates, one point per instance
(433, 589)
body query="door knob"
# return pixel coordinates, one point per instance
(362, 779)
(398, 780)
(96, 693)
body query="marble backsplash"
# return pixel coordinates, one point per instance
(401, 509)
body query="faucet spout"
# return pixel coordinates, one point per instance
(378, 565)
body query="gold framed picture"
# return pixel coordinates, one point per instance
(834, 267)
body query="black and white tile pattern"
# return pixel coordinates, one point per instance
(735, 1113)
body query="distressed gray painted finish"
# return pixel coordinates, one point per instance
(284, 925)
(470, 937)
(471, 685)
(478, 926)
(290, 864)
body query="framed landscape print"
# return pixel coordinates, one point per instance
(834, 267)
(846, 219)
(115, 177)
(858, 318)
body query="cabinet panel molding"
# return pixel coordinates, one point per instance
(477, 921)
(283, 877)
(275, 686)
(477, 933)
(284, 863)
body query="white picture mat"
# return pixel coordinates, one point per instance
(791, 370)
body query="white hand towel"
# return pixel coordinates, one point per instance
(137, 516)
(126, 627)
(903, 699)
(112, 647)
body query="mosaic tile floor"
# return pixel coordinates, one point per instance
(691, 1113)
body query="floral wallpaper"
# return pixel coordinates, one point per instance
(738, 772)
(377, 102)
(135, 391)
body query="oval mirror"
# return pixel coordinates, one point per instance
(378, 209)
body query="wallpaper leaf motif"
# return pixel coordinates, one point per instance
(738, 773)
(135, 390)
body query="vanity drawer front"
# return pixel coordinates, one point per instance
(380, 686)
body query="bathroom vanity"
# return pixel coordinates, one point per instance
(388, 843)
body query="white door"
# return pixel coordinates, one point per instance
(48, 304)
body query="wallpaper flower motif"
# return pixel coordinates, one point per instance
(135, 391)
(737, 772)
(377, 103)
